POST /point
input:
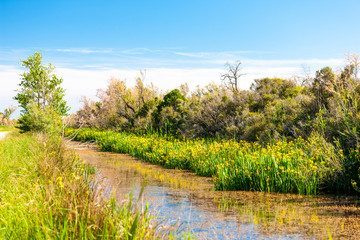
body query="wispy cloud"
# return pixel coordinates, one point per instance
(222, 54)
(314, 61)
(82, 50)
(195, 55)
(137, 51)
(86, 70)
(140, 58)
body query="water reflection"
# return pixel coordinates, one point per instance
(183, 199)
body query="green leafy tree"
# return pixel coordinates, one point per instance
(40, 86)
(168, 113)
(41, 97)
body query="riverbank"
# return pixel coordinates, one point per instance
(6, 128)
(46, 193)
(191, 201)
(304, 167)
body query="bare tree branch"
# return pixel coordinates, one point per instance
(232, 77)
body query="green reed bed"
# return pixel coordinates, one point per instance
(45, 193)
(301, 166)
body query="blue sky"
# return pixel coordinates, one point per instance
(176, 41)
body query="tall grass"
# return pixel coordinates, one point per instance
(6, 128)
(45, 194)
(301, 166)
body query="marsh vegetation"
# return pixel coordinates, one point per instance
(298, 135)
(46, 190)
(304, 167)
(46, 193)
(186, 202)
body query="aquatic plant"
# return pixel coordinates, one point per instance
(300, 166)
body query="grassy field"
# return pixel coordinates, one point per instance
(45, 193)
(301, 166)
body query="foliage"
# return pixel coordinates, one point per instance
(324, 86)
(6, 128)
(41, 97)
(273, 109)
(45, 120)
(119, 107)
(167, 114)
(40, 86)
(49, 196)
(301, 166)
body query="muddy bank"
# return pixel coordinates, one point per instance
(182, 198)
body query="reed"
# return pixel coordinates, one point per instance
(45, 193)
(300, 166)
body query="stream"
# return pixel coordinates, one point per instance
(185, 202)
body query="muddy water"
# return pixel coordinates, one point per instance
(187, 202)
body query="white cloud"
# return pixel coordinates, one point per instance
(85, 82)
(195, 55)
(9, 80)
(216, 55)
(82, 50)
(137, 51)
(297, 62)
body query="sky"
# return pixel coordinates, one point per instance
(177, 41)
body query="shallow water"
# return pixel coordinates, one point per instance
(186, 202)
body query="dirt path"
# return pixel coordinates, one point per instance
(3, 134)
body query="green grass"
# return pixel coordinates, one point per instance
(301, 166)
(45, 193)
(6, 128)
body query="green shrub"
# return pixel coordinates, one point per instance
(40, 120)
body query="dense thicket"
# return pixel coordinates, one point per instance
(325, 106)
(272, 109)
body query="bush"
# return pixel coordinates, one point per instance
(45, 120)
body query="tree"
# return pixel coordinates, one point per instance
(120, 106)
(41, 97)
(324, 86)
(45, 120)
(40, 86)
(125, 103)
(354, 62)
(9, 111)
(231, 78)
(168, 113)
